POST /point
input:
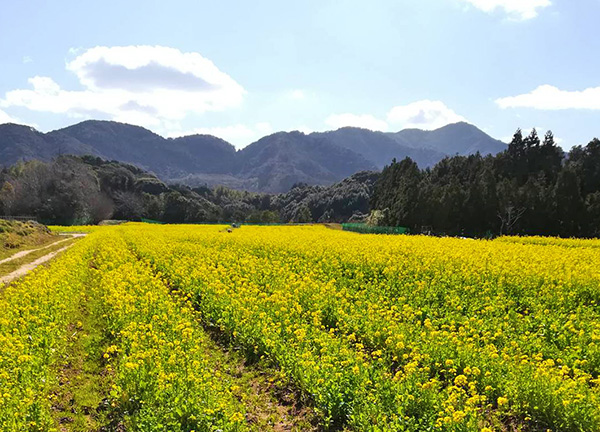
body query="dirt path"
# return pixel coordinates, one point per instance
(80, 401)
(271, 406)
(26, 268)
(28, 251)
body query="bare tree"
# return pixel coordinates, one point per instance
(7, 198)
(101, 207)
(128, 205)
(509, 216)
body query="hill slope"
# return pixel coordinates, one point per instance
(380, 148)
(278, 161)
(168, 158)
(271, 164)
(458, 138)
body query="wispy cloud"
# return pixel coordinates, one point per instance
(547, 97)
(5, 118)
(515, 9)
(297, 94)
(425, 114)
(365, 121)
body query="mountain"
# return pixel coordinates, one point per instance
(278, 161)
(168, 158)
(210, 154)
(458, 138)
(272, 164)
(424, 147)
(380, 148)
(18, 142)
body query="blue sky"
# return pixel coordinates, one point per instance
(241, 70)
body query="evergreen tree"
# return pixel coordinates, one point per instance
(569, 204)
(528, 189)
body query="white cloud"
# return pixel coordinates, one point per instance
(365, 121)
(297, 94)
(5, 118)
(27, 59)
(516, 9)
(239, 135)
(264, 127)
(425, 114)
(151, 86)
(547, 97)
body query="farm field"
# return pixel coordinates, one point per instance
(191, 328)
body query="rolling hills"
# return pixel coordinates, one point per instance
(272, 164)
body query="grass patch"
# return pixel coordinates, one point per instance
(16, 236)
(10, 266)
(271, 403)
(79, 402)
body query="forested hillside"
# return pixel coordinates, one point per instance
(272, 164)
(531, 188)
(87, 189)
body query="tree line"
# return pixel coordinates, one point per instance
(532, 188)
(86, 190)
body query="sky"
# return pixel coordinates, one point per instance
(241, 70)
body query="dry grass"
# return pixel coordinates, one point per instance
(16, 236)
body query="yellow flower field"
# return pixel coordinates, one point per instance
(377, 333)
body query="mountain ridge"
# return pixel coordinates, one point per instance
(273, 163)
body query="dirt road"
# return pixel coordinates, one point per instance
(26, 268)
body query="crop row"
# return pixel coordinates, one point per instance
(551, 241)
(160, 370)
(404, 333)
(33, 322)
(163, 379)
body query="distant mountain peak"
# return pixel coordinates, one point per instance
(9, 125)
(273, 163)
(456, 138)
(110, 125)
(459, 123)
